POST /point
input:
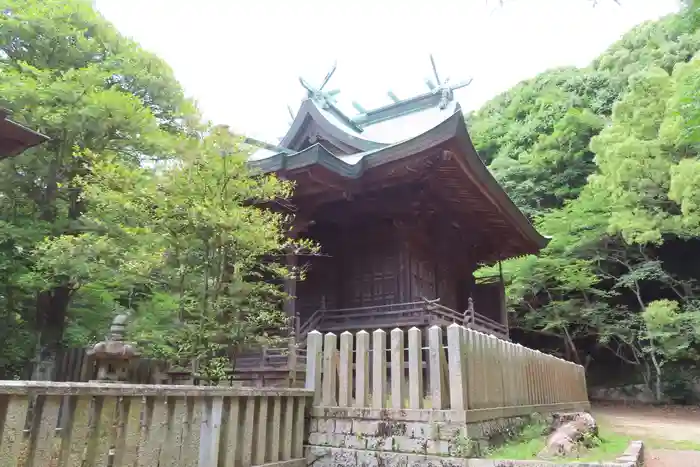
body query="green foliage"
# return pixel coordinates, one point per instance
(67, 73)
(188, 234)
(536, 135)
(610, 170)
(661, 44)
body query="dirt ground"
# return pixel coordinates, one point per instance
(669, 432)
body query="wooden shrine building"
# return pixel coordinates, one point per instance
(15, 138)
(405, 212)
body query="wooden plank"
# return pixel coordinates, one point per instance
(130, 432)
(230, 448)
(262, 419)
(287, 428)
(362, 370)
(79, 430)
(378, 369)
(345, 370)
(274, 427)
(415, 369)
(156, 430)
(105, 433)
(330, 370)
(13, 415)
(47, 445)
(456, 368)
(248, 431)
(314, 364)
(211, 431)
(398, 382)
(191, 436)
(436, 369)
(299, 424)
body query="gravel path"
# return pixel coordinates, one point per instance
(661, 424)
(668, 458)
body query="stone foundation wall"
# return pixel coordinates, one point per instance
(391, 437)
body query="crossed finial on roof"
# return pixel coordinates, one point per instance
(324, 98)
(443, 88)
(327, 99)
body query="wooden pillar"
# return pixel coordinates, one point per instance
(502, 299)
(290, 288)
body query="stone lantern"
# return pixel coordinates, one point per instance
(113, 356)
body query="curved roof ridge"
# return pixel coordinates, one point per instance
(310, 110)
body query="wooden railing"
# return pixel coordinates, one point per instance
(485, 324)
(478, 373)
(420, 313)
(434, 308)
(48, 424)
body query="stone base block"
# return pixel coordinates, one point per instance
(343, 457)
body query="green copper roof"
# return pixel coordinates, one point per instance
(371, 129)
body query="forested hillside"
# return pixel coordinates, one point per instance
(605, 161)
(129, 208)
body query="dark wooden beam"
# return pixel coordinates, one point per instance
(290, 288)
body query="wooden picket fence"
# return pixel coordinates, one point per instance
(472, 372)
(51, 424)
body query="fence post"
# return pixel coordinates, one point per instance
(314, 346)
(436, 368)
(471, 368)
(557, 378)
(572, 379)
(486, 370)
(378, 369)
(398, 384)
(527, 364)
(508, 379)
(541, 377)
(362, 372)
(345, 370)
(583, 389)
(456, 367)
(519, 372)
(415, 369)
(497, 369)
(330, 369)
(544, 358)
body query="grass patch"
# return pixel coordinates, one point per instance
(669, 444)
(527, 444)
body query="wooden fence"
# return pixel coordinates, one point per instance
(75, 365)
(472, 372)
(259, 367)
(49, 424)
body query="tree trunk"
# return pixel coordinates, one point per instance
(658, 392)
(52, 307)
(51, 311)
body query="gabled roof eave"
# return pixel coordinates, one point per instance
(481, 171)
(309, 110)
(452, 128)
(23, 137)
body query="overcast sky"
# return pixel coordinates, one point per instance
(241, 59)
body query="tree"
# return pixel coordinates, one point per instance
(187, 234)
(536, 135)
(610, 171)
(69, 74)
